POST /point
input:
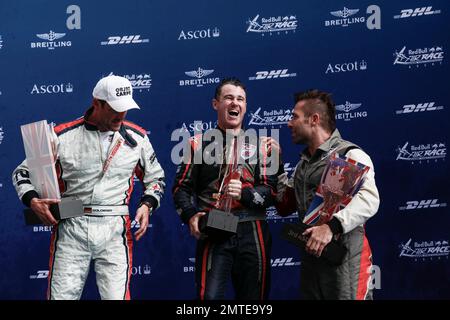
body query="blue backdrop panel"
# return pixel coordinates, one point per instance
(384, 61)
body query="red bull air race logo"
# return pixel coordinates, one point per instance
(425, 250)
(139, 81)
(270, 118)
(419, 57)
(422, 152)
(272, 25)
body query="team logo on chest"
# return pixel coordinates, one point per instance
(247, 151)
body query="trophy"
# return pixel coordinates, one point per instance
(333, 253)
(219, 223)
(39, 150)
(341, 180)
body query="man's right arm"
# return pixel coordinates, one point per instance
(22, 183)
(285, 200)
(184, 188)
(29, 196)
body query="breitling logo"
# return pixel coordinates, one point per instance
(344, 13)
(50, 42)
(346, 17)
(199, 73)
(200, 76)
(348, 113)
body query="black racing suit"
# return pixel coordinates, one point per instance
(246, 255)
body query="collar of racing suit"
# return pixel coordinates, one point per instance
(122, 131)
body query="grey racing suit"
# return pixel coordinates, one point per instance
(105, 186)
(352, 279)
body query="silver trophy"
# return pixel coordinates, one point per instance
(40, 154)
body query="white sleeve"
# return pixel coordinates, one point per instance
(366, 202)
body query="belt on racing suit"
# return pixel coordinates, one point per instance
(96, 210)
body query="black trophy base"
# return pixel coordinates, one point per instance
(67, 208)
(218, 225)
(333, 253)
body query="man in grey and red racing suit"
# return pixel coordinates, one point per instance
(313, 124)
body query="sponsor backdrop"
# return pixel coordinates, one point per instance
(384, 61)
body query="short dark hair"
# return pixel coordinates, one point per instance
(234, 81)
(320, 102)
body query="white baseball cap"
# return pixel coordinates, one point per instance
(117, 91)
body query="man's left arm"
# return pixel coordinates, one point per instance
(150, 172)
(363, 205)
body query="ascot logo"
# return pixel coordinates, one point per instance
(272, 74)
(425, 249)
(200, 76)
(2, 135)
(272, 24)
(417, 12)
(347, 109)
(51, 44)
(199, 34)
(422, 152)
(133, 39)
(423, 204)
(141, 271)
(420, 107)
(346, 19)
(52, 88)
(198, 126)
(346, 67)
(270, 118)
(418, 57)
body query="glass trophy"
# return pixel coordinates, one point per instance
(40, 159)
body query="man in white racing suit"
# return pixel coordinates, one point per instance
(97, 157)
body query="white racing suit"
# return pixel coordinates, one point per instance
(105, 186)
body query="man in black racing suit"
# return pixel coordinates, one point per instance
(245, 255)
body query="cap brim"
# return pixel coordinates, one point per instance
(122, 105)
